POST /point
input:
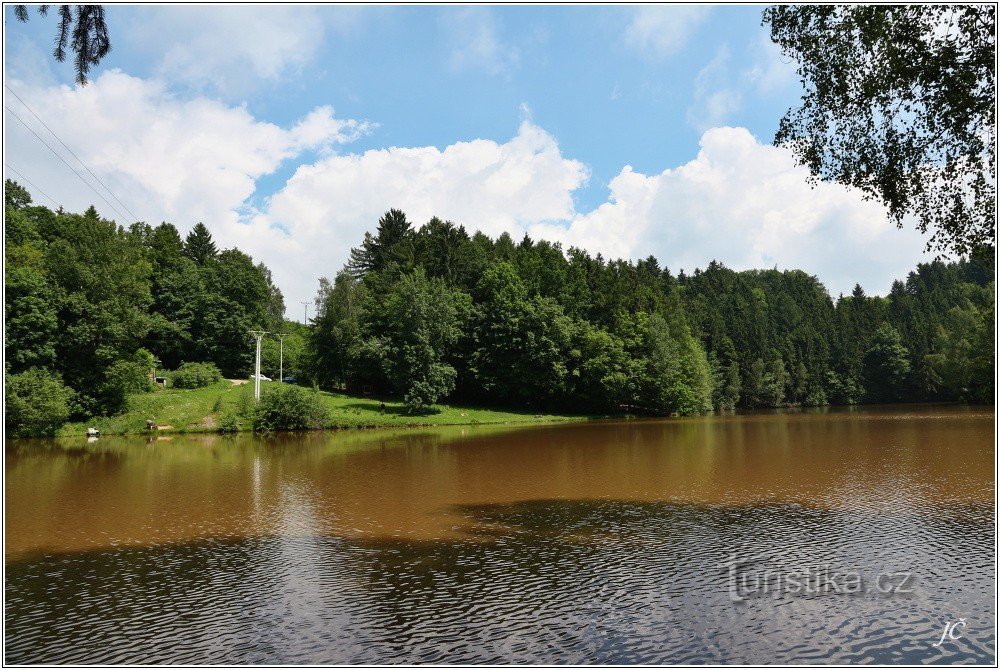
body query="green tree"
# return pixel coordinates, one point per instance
(519, 345)
(675, 375)
(336, 333)
(288, 407)
(36, 403)
(391, 244)
(886, 365)
(198, 245)
(900, 103)
(419, 320)
(964, 360)
(15, 196)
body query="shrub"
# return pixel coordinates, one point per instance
(196, 375)
(37, 403)
(287, 407)
(122, 380)
(230, 423)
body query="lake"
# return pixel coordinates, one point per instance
(841, 536)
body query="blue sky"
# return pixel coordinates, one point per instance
(625, 130)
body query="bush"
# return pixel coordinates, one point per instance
(122, 380)
(287, 407)
(230, 423)
(196, 375)
(37, 403)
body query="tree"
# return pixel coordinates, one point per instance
(36, 403)
(376, 253)
(85, 24)
(417, 322)
(964, 360)
(886, 365)
(15, 195)
(336, 332)
(675, 377)
(287, 407)
(198, 245)
(900, 102)
(275, 299)
(519, 344)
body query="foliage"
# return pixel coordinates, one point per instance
(900, 102)
(965, 358)
(36, 403)
(123, 379)
(15, 196)
(288, 407)
(886, 365)
(553, 329)
(199, 246)
(336, 336)
(457, 319)
(420, 319)
(84, 296)
(195, 375)
(85, 25)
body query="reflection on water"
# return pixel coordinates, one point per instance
(573, 543)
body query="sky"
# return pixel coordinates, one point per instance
(288, 131)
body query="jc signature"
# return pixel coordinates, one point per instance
(950, 631)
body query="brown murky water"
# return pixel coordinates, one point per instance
(592, 542)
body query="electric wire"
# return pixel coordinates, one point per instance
(28, 182)
(72, 153)
(57, 155)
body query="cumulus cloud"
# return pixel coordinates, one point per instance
(661, 31)
(739, 201)
(170, 159)
(747, 205)
(326, 207)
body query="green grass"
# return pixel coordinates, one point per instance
(194, 410)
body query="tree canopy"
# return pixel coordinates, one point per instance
(531, 325)
(900, 102)
(90, 306)
(81, 29)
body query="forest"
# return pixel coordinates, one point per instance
(431, 314)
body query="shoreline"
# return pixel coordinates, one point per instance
(181, 411)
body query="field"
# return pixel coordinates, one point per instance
(201, 410)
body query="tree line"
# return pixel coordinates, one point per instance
(91, 308)
(432, 313)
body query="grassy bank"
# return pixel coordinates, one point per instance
(201, 410)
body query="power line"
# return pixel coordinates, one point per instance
(73, 153)
(56, 153)
(28, 182)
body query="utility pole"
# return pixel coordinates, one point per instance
(281, 357)
(305, 318)
(259, 334)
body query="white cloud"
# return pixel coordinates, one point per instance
(232, 49)
(747, 205)
(476, 43)
(182, 161)
(661, 31)
(186, 160)
(327, 206)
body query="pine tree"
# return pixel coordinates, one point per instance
(198, 246)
